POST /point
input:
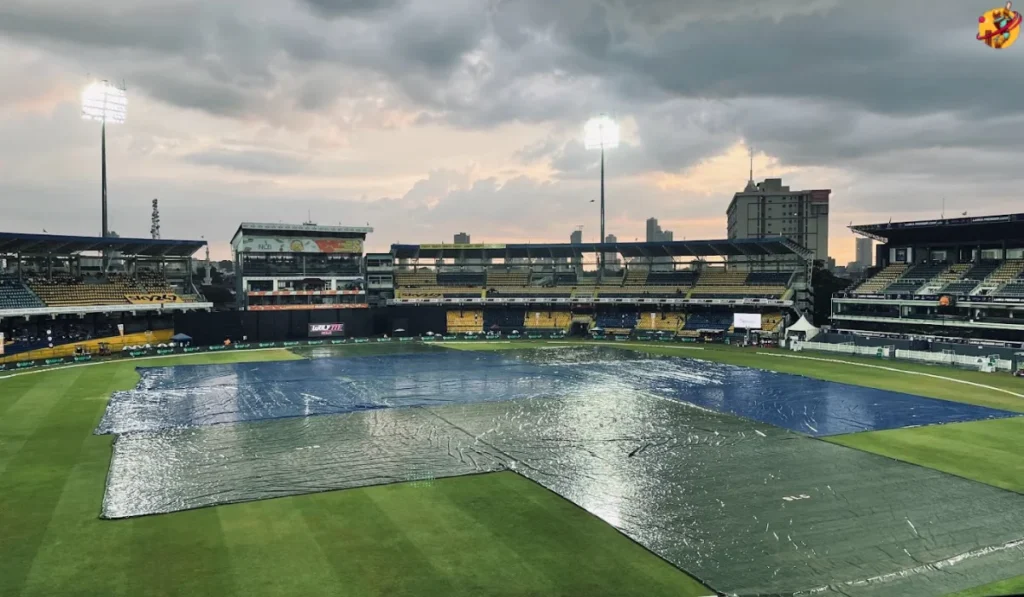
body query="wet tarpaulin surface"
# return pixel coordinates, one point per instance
(748, 508)
(170, 397)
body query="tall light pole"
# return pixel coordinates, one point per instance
(103, 102)
(601, 133)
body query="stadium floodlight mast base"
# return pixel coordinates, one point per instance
(601, 133)
(103, 102)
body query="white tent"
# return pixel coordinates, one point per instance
(809, 331)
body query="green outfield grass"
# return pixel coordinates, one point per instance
(988, 451)
(496, 534)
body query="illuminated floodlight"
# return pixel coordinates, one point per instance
(601, 133)
(104, 102)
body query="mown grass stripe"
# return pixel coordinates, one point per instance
(369, 553)
(34, 481)
(273, 551)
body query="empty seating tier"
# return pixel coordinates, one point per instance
(503, 320)
(718, 322)
(465, 279)
(719, 277)
(635, 277)
(662, 322)
(465, 321)
(115, 289)
(887, 276)
(769, 279)
(548, 320)
(407, 279)
(1008, 271)
(507, 278)
(530, 291)
(15, 295)
(617, 321)
(677, 278)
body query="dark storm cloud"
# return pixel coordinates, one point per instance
(349, 8)
(902, 97)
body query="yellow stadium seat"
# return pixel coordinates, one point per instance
(465, 321)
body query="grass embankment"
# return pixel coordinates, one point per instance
(484, 535)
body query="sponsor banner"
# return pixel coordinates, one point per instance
(266, 344)
(406, 339)
(303, 292)
(82, 358)
(243, 346)
(194, 349)
(307, 307)
(466, 246)
(383, 339)
(53, 361)
(361, 340)
(337, 342)
(284, 244)
(24, 364)
(288, 344)
(153, 299)
(429, 339)
(164, 351)
(326, 330)
(314, 343)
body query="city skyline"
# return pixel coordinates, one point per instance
(339, 110)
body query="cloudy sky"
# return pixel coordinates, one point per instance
(430, 117)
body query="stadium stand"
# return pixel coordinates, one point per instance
(62, 290)
(661, 322)
(531, 291)
(915, 277)
(503, 320)
(465, 321)
(944, 278)
(975, 275)
(882, 279)
(713, 321)
(548, 320)
(15, 295)
(411, 279)
(635, 277)
(461, 279)
(612, 322)
(678, 278)
(1007, 272)
(507, 278)
(969, 286)
(715, 283)
(565, 279)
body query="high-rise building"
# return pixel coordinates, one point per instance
(611, 260)
(770, 209)
(654, 232)
(462, 238)
(576, 238)
(865, 253)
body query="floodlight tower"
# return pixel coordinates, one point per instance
(104, 103)
(601, 133)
